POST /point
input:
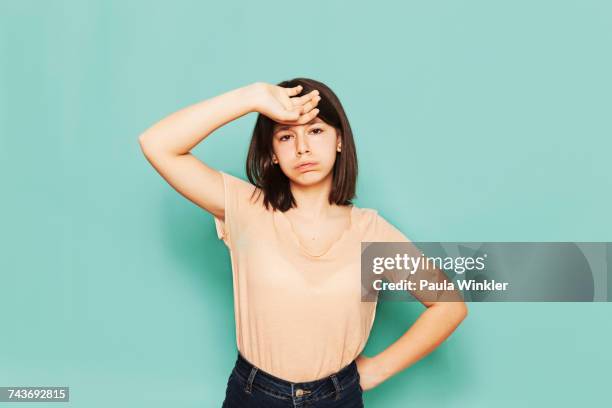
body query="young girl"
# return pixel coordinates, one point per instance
(295, 239)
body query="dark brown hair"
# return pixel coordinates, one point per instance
(270, 178)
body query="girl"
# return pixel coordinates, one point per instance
(294, 238)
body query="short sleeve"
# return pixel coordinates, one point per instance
(384, 231)
(239, 205)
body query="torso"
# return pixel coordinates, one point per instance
(298, 317)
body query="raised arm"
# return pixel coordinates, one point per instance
(167, 144)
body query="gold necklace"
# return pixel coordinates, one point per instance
(300, 243)
(314, 237)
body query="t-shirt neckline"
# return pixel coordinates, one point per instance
(331, 248)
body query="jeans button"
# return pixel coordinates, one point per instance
(299, 392)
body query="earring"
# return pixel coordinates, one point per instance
(339, 148)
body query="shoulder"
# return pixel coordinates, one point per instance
(242, 192)
(364, 217)
(376, 228)
(243, 203)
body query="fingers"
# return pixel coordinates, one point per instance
(307, 117)
(294, 91)
(311, 104)
(301, 100)
(298, 110)
(293, 117)
(290, 115)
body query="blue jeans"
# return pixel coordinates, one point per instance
(250, 387)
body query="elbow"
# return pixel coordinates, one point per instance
(455, 311)
(153, 148)
(145, 145)
(461, 311)
(142, 140)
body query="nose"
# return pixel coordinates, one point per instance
(301, 145)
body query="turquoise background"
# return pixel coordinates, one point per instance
(474, 120)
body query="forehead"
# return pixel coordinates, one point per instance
(278, 127)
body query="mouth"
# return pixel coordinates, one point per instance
(306, 166)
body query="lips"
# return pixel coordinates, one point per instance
(305, 166)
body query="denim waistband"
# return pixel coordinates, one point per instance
(253, 376)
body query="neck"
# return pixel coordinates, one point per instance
(313, 200)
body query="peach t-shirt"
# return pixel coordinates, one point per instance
(298, 316)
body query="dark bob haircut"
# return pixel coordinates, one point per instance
(270, 178)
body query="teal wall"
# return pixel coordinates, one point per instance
(474, 120)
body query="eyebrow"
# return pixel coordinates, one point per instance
(286, 127)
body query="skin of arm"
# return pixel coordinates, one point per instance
(432, 327)
(167, 145)
(191, 125)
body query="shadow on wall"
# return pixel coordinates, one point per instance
(435, 380)
(192, 243)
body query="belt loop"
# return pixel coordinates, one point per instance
(249, 384)
(337, 386)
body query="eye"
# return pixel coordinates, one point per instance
(283, 138)
(319, 131)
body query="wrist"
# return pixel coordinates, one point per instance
(379, 369)
(249, 94)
